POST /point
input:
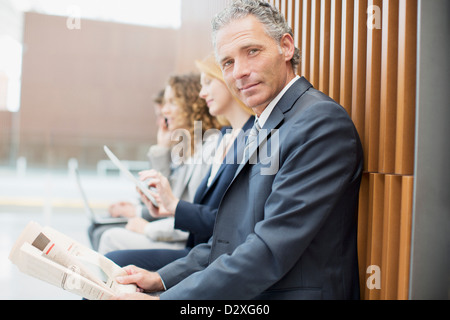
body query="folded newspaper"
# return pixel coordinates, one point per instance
(53, 257)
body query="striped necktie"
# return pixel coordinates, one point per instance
(251, 143)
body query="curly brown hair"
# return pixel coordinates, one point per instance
(186, 90)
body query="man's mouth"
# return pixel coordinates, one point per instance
(248, 87)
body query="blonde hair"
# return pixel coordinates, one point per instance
(210, 67)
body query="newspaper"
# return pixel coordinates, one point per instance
(53, 257)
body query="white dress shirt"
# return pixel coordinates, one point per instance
(268, 110)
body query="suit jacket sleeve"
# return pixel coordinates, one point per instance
(195, 218)
(177, 271)
(316, 163)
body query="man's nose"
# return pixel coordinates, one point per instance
(241, 69)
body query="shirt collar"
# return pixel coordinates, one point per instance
(268, 110)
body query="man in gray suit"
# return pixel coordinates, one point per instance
(288, 231)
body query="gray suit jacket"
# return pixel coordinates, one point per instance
(289, 234)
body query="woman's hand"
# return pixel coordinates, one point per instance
(137, 225)
(163, 195)
(122, 209)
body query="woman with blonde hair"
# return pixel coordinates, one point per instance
(198, 217)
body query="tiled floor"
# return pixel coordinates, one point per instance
(50, 199)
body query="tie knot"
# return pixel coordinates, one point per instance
(256, 127)
(252, 135)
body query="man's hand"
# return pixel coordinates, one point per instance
(134, 296)
(145, 280)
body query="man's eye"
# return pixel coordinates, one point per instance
(226, 64)
(253, 51)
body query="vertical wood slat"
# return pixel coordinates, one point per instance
(298, 32)
(373, 87)
(404, 153)
(347, 56)
(284, 8)
(335, 49)
(306, 38)
(324, 63)
(358, 108)
(363, 237)
(389, 75)
(405, 237)
(391, 238)
(375, 228)
(290, 12)
(314, 75)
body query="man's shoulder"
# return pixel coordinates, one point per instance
(302, 95)
(313, 102)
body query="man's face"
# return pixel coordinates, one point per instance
(254, 66)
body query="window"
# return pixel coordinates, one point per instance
(152, 13)
(10, 73)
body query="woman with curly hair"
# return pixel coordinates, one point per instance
(187, 116)
(186, 141)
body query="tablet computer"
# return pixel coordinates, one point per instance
(127, 173)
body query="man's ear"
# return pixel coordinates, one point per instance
(287, 46)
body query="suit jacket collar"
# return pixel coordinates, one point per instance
(285, 104)
(288, 100)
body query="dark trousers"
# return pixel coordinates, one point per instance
(149, 259)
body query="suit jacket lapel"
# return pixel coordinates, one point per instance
(202, 188)
(238, 141)
(286, 103)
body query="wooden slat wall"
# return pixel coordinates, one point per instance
(371, 72)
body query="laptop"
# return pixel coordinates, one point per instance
(96, 218)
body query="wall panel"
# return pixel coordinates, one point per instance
(407, 44)
(305, 45)
(324, 56)
(363, 54)
(373, 85)
(388, 103)
(314, 56)
(335, 49)
(359, 89)
(347, 55)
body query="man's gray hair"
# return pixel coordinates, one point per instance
(273, 21)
